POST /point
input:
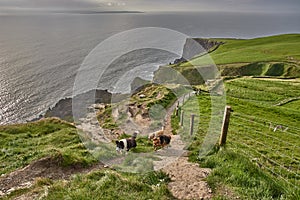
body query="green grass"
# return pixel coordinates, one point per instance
(250, 132)
(273, 48)
(156, 95)
(257, 163)
(23, 143)
(109, 185)
(238, 172)
(103, 184)
(105, 118)
(264, 69)
(277, 56)
(175, 123)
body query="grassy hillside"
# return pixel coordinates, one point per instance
(99, 184)
(257, 162)
(23, 144)
(277, 56)
(279, 48)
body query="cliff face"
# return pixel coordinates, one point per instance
(63, 109)
(196, 46)
(138, 84)
(189, 75)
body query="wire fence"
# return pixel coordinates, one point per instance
(271, 145)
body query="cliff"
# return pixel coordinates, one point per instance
(63, 108)
(196, 46)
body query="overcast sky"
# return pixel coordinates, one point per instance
(154, 5)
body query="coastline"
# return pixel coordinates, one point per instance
(63, 108)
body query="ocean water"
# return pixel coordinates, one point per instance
(40, 54)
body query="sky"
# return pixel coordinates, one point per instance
(287, 6)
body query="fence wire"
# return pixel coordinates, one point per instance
(272, 145)
(275, 150)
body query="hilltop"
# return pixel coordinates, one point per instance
(274, 56)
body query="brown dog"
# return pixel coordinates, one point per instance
(155, 134)
(161, 141)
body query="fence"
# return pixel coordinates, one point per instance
(273, 146)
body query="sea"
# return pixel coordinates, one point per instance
(41, 54)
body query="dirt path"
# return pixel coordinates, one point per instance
(177, 146)
(286, 101)
(187, 179)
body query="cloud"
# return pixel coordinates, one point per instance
(159, 5)
(208, 5)
(48, 4)
(224, 5)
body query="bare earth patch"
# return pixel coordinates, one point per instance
(187, 180)
(43, 168)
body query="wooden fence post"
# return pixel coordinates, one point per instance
(225, 126)
(177, 108)
(181, 118)
(192, 124)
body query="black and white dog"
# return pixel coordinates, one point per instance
(126, 144)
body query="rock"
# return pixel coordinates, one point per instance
(138, 84)
(10, 190)
(63, 108)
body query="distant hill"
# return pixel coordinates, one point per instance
(275, 56)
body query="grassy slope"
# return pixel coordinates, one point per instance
(108, 184)
(250, 139)
(21, 144)
(100, 184)
(269, 56)
(273, 48)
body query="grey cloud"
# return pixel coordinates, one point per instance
(160, 5)
(223, 5)
(48, 3)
